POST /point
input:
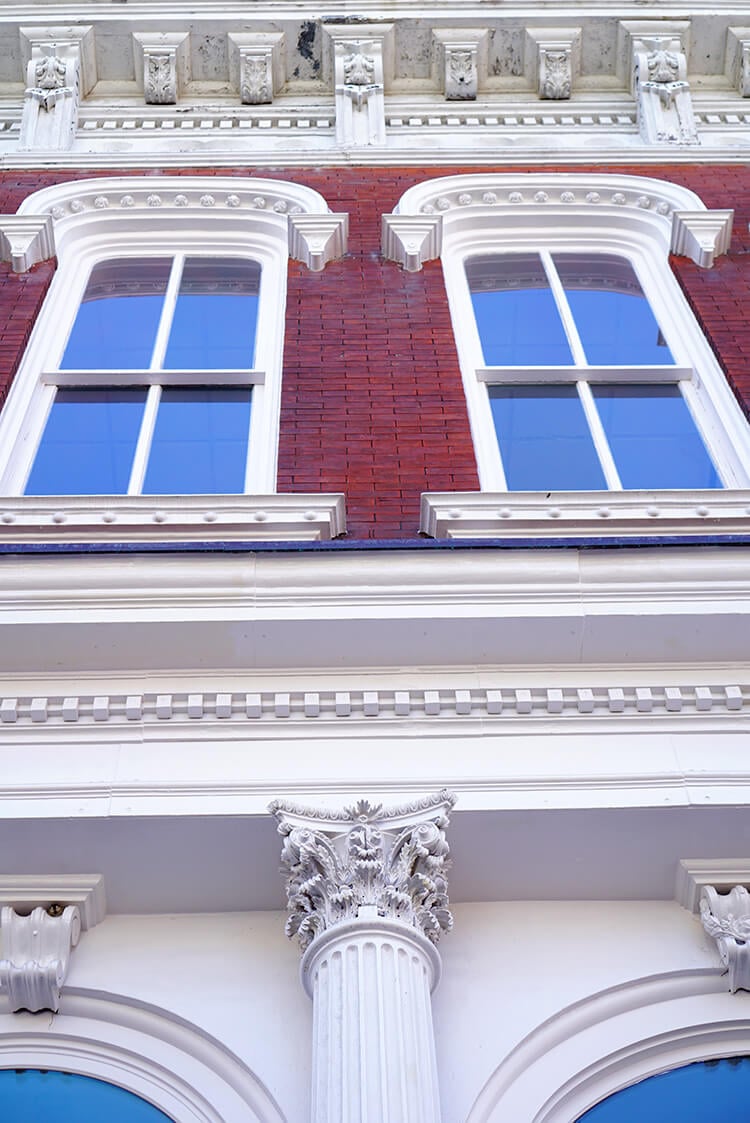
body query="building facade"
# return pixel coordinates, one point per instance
(375, 473)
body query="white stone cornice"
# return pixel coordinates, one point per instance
(316, 239)
(726, 917)
(470, 201)
(366, 862)
(702, 235)
(411, 240)
(26, 240)
(35, 955)
(229, 518)
(613, 514)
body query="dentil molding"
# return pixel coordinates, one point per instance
(366, 862)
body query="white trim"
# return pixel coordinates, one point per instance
(171, 1063)
(695, 873)
(610, 1040)
(96, 220)
(631, 216)
(24, 892)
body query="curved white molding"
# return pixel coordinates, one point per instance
(610, 1040)
(171, 1063)
(178, 202)
(610, 201)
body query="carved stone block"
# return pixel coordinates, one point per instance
(737, 62)
(54, 85)
(554, 60)
(459, 61)
(256, 64)
(161, 65)
(360, 63)
(660, 85)
(36, 955)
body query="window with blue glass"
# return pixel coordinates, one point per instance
(38, 1095)
(696, 1093)
(153, 392)
(583, 389)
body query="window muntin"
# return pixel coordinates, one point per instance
(158, 319)
(563, 334)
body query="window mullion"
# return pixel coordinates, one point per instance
(143, 448)
(167, 313)
(599, 437)
(569, 324)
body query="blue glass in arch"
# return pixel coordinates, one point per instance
(696, 1093)
(118, 318)
(38, 1096)
(516, 315)
(213, 327)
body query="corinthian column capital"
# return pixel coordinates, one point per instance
(366, 862)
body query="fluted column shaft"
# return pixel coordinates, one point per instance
(373, 1043)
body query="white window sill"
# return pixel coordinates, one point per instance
(171, 518)
(588, 514)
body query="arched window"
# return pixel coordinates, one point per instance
(35, 1095)
(695, 1093)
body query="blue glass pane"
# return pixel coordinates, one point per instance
(698, 1093)
(38, 1097)
(116, 325)
(515, 311)
(653, 437)
(613, 317)
(88, 443)
(199, 445)
(544, 439)
(214, 321)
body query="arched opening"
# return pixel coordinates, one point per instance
(37, 1094)
(713, 1089)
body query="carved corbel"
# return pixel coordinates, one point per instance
(658, 64)
(701, 235)
(737, 61)
(362, 62)
(411, 240)
(161, 65)
(459, 66)
(60, 68)
(316, 239)
(26, 240)
(726, 917)
(555, 60)
(35, 955)
(257, 66)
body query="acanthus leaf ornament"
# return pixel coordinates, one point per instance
(366, 861)
(726, 918)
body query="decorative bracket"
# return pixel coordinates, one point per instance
(316, 239)
(161, 65)
(361, 60)
(555, 60)
(726, 917)
(364, 863)
(60, 67)
(257, 65)
(659, 80)
(701, 235)
(35, 954)
(411, 240)
(26, 240)
(737, 62)
(459, 61)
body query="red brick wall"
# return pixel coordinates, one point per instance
(372, 403)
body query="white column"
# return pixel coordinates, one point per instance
(368, 902)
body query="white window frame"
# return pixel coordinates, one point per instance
(105, 219)
(639, 219)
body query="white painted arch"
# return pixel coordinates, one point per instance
(611, 1040)
(165, 1060)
